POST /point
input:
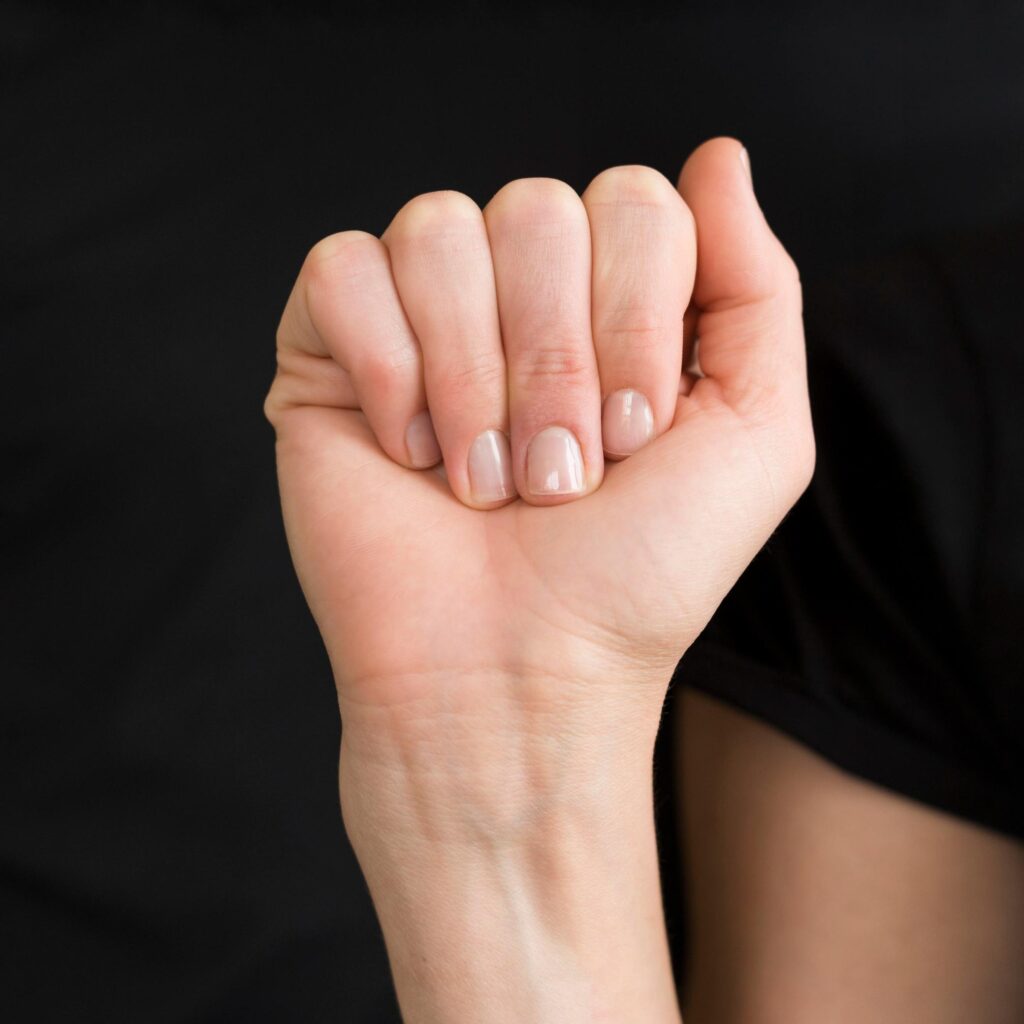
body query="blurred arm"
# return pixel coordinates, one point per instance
(815, 896)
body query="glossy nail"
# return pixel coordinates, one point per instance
(421, 441)
(554, 464)
(490, 467)
(627, 422)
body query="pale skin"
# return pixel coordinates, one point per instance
(503, 616)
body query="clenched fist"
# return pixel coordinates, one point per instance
(502, 626)
(537, 346)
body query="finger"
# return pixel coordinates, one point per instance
(304, 378)
(540, 245)
(747, 287)
(441, 260)
(346, 335)
(644, 252)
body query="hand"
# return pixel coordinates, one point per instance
(502, 632)
(410, 586)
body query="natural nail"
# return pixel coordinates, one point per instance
(627, 422)
(490, 467)
(421, 441)
(554, 464)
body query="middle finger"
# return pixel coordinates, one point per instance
(540, 245)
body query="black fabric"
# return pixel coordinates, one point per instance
(170, 843)
(881, 624)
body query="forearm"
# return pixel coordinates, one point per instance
(535, 901)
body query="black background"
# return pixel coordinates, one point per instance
(170, 842)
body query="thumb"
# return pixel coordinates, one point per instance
(747, 288)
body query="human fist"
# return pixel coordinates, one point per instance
(538, 335)
(550, 319)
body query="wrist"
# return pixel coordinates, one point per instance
(549, 911)
(484, 757)
(505, 827)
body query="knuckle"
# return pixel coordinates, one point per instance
(479, 376)
(565, 364)
(434, 214)
(374, 374)
(627, 346)
(340, 257)
(635, 327)
(382, 370)
(633, 185)
(535, 201)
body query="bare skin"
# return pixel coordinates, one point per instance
(502, 629)
(817, 897)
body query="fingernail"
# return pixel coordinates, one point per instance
(421, 441)
(554, 464)
(627, 422)
(490, 467)
(745, 160)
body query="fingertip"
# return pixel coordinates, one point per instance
(721, 151)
